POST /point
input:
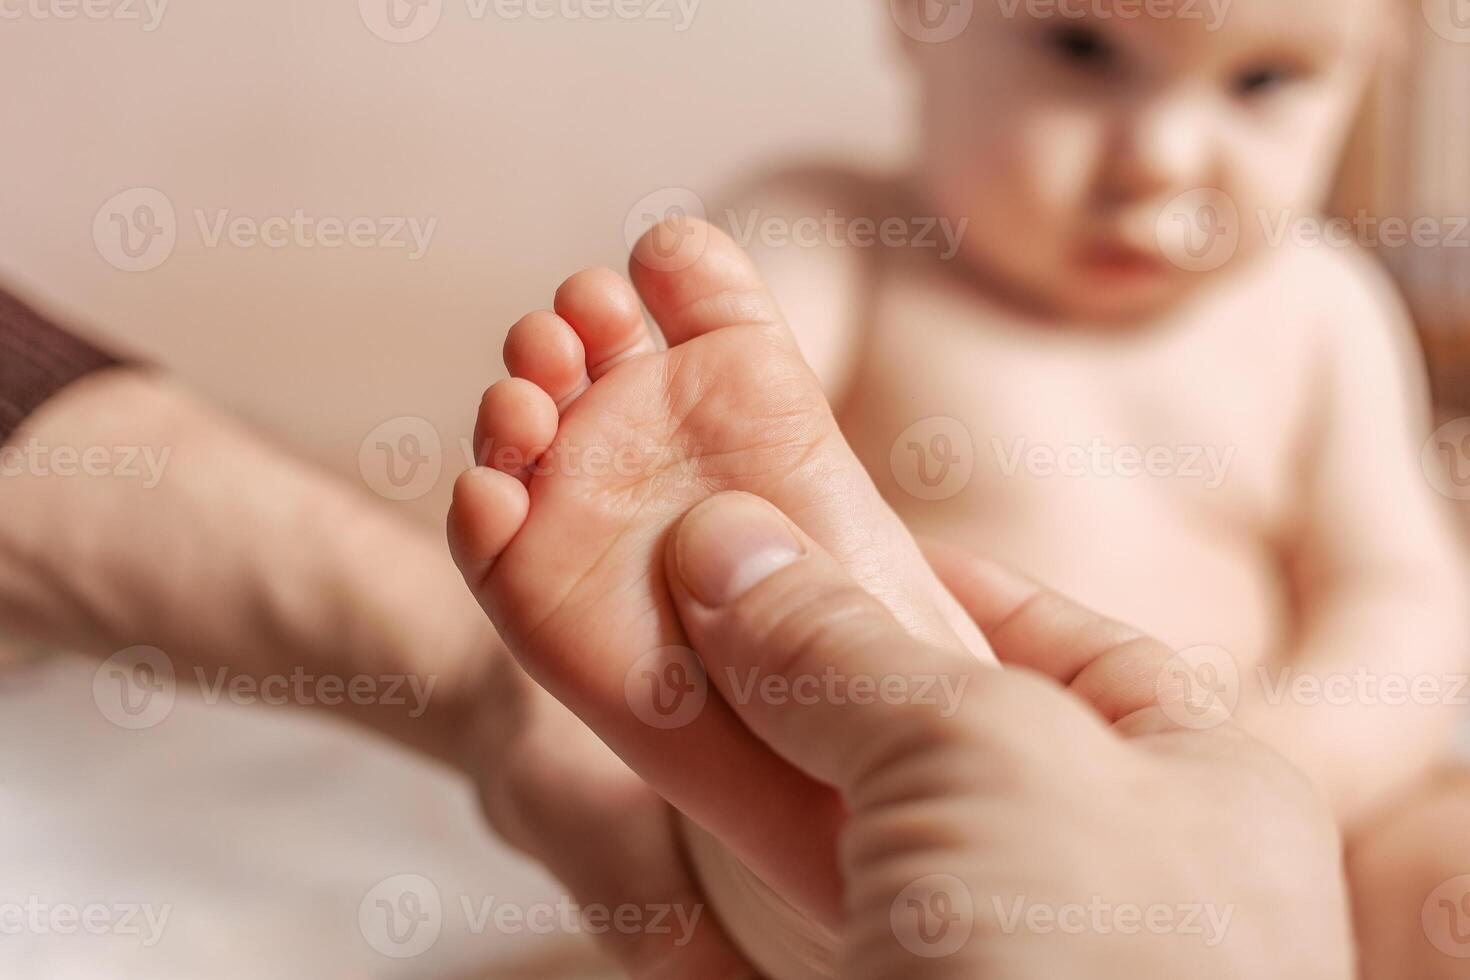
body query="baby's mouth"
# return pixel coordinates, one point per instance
(1121, 262)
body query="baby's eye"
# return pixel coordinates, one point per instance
(1082, 47)
(1262, 81)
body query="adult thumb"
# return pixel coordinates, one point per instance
(813, 664)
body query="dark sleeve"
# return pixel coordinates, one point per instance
(37, 359)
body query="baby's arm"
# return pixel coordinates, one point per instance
(815, 273)
(1377, 565)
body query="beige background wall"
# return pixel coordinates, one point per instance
(528, 142)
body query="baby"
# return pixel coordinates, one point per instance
(1119, 381)
(1128, 383)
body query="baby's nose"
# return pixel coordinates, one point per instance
(1158, 148)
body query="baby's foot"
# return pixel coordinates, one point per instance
(596, 446)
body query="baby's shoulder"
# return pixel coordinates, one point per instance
(1359, 332)
(1342, 294)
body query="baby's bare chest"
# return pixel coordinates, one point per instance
(1178, 448)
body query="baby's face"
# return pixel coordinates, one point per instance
(1064, 138)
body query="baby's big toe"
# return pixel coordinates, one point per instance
(695, 279)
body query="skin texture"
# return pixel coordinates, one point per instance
(104, 564)
(521, 548)
(730, 404)
(1316, 549)
(974, 796)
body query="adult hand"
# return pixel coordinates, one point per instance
(240, 560)
(555, 792)
(1015, 829)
